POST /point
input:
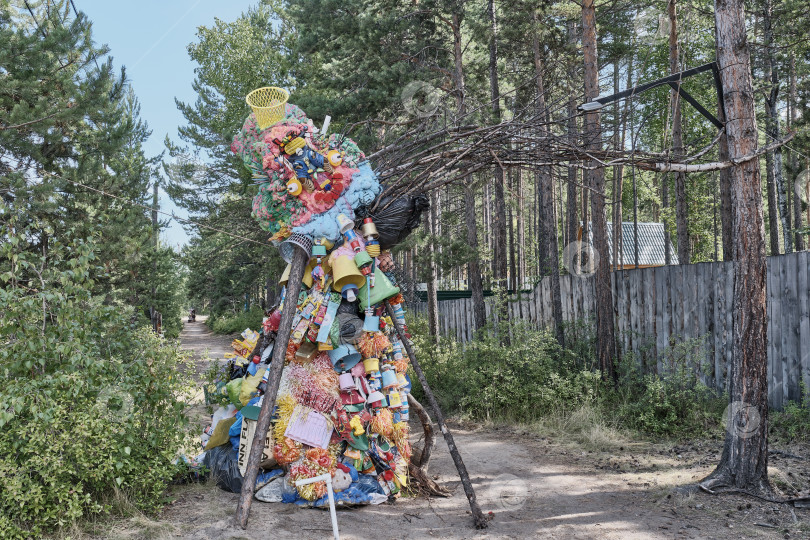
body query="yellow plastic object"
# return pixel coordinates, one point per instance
(373, 250)
(294, 145)
(345, 272)
(307, 279)
(268, 104)
(249, 385)
(295, 187)
(285, 276)
(357, 425)
(335, 158)
(371, 364)
(220, 435)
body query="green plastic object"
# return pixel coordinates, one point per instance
(382, 289)
(362, 259)
(334, 333)
(234, 388)
(251, 412)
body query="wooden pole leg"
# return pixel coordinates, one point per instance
(299, 262)
(479, 519)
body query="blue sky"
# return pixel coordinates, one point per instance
(150, 38)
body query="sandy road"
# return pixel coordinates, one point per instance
(534, 487)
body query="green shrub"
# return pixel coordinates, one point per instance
(90, 405)
(235, 323)
(522, 381)
(793, 421)
(673, 402)
(532, 378)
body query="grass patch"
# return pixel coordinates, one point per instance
(234, 323)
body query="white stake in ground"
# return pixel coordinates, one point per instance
(328, 479)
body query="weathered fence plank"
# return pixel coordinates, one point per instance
(657, 308)
(774, 340)
(803, 285)
(660, 309)
(729, 335)
(787, 332)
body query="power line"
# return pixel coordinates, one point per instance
(172, 216)
(76, 12)
(786, 145)
(36, 22)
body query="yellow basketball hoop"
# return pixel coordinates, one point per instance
(268, 104)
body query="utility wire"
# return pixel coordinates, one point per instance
(765, 132)
(76, 12)
(36, 22)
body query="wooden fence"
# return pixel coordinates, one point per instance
(659, 310)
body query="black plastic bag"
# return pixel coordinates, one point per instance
(235, 372)
(223, 465)
(349, 307)
(368, 484)
(395, 222)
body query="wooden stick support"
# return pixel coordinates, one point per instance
(299, 262)
(478, 517)
(330, 491)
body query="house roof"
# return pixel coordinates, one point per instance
(650, 244)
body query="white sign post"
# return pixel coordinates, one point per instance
(328, 479)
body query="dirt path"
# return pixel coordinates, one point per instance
(533, 486)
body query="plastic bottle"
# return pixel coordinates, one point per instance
(221, 414)
(262, 388)
(253, 366)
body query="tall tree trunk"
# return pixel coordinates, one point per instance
(474, 265)
(510, 220)
(549, 251)
(773, 227)
(606, 341)
(487, 208)
(433, 303)
(744, 462)
(681, 217)
(628, 117)
(774, 158)
(665, 204)
(571, 221)
(726, 209)
(794, 158)
(499, 224)
(714, 217)
(615, 223)
(521, 231)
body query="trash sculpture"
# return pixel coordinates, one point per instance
(329, 373)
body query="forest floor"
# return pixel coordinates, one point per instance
(531, 485)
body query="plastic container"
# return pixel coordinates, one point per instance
(221, 414)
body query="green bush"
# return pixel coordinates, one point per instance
(90, 405)
(793, 421)
(523, 381)
(235, 323)
(532, 378)
(672, 402)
